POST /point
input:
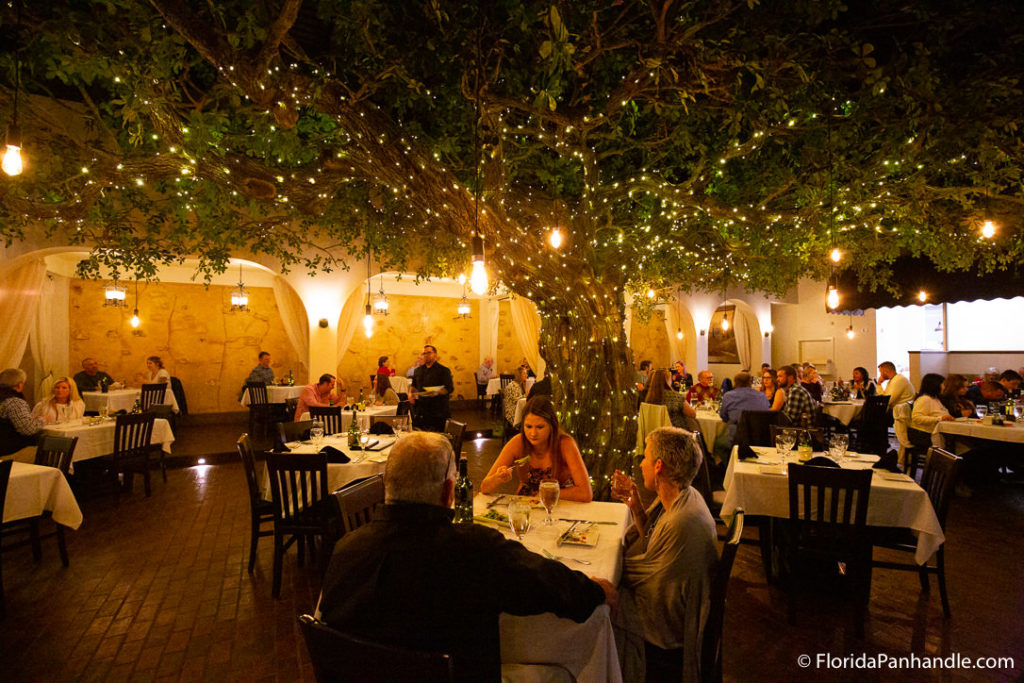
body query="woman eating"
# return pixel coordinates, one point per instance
(63, 405)
(385, 395)
(661, 393)
(157, 374)
(541, 452)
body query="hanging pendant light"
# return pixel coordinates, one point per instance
(12, 163)
(136, 321)
(240, 297)
(381, 304)
(113, 294)
(465, 310)
(368, 318)
(832, 297)
(478, 282)
(725, 320)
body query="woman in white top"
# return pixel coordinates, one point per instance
(63, 405)
(157, 374)
(928, 408)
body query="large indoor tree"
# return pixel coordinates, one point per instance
(674, 144)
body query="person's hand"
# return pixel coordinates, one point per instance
(611, 595)
(503, 473)
(623, 488)
(947, 418)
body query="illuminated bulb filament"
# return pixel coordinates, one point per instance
(478, 278)
(725, 324)
(988, 228)
(833, 298)
(12, 160)
(555, 238)
(679, 333)
(849, 332)
(135, 321)
(836, 255)
(922, 296)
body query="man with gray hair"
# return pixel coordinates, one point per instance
(670, 554)
(18, 429)
(412, 578)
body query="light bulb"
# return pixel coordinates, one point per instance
(922, 296)
(368, 322)
(836, 255)
(135, 321)
(650, 293)
(555, 238)
(478, 279)
(462, 278)
(833, 298)
(679, 333)
(12, 160)
(725, 324)
(849, 332)
(988, 229)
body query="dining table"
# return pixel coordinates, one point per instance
(587, 650)
(35, 489)
(121, 399)
(276, 393)
(364, 416)
(844, 411)
(760, 486)
(362, 463)
(711, 426)
(96, 436)
(1011, 432)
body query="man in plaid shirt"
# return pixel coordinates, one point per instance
(18, 429)
(798, 401)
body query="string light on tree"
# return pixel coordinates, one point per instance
(988, 230)
(922, 296)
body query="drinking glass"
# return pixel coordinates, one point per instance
(837, 446)
(790, 439)
(104, 410)
(780, 445)
(982, 409)
(549, 498)
(316, 433)
(519, 518)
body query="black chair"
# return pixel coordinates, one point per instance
(133, 435)
(261, 511)
(921, 444)
(57, 452)
(385, 424)
(702, 481)
(330, 416)
(824, 531)
(711, 643)
(179, 395)
(403, 408)
(290, 406)
(164, 412)
(260, 410)
(754, 429)
(871, 434)
(817, 435)
(153, 394)
(292, 431)
(358, 502)
(298, 487)
(455, 431)
(341, 658)
(481, 393)
(499, 398)
(941, 472)
(5, 476)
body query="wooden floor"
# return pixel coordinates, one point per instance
(158, 590)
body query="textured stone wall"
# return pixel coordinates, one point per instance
(413, 321)
(649, 341)
(208, 347)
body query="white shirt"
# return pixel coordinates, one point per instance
(53, 413)
(161, 376)
(928, 411)
(899, 390)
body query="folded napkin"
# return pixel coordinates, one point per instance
(772, 469)
(895, 476)
(334, 455)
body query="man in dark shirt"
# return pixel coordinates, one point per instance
(412, 578)
(431, 408)
(91, 376)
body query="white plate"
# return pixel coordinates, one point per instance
(437, 388)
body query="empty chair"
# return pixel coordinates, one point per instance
(941, 472)
(261, 511)
(358, 502)
(754, 429)
(330, 416)
(58, 452)
(872, 426)
(260, 411)
(338, 658)
(455, 431)
(827, 517)
(711, 644)
(133, 435)
(292, 431)
(153, 394)
(5, 476)
(298, 487)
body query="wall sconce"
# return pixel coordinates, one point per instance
(323, 323)
(703, 332)
(767, 334)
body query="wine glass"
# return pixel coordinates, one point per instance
(780, 445)
(519, 518)
(982, 409)
(549, 498)
(788, 440)
(104, 410)
(837, 446)
(316, 433)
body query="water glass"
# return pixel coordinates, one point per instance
(781, 448)
(519, 518)
(316, 433)
(837, 447)
(549, 498)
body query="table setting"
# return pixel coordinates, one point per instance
(96, 436)
(34, 489)
(369, 459)
(276, 393)
(844, 411)
(364, 416)
(494, 385)
(711, 424)
(123, 398)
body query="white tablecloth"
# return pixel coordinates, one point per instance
(275, 394)
(34, 488)
(121, 399)
(711, 425)
(891, 503)
(844, 411)
(1011, 433)
(494, 385)
(364, 416)
(365, 463)
(587, 650)
(98, 440)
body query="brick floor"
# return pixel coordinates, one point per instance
(158, 590)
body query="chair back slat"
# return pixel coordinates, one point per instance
(711, 644)
(754, 429)
(359, 501)
(330, 416)
(257, 393)
(56, 451)
(248, 456)
(132, 434)
(298, 485)
(153, 394)
(815, 494)
(294, 431)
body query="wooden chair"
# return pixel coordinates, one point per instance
(5, 476)
(702, 482)
(57, 452)
(711, 644)
(498, 401)
(817, 435)
(941, 472)
(358, 502)
(823, 529)
(290, 406)
(341, 658)
(330, 416)
(133, 435)
(164, 412)
(292, 431)
(261, 511)
(403, 408)
(298, 486)
(153, 394)
(872, 431)
(455, 431)
(260, 411)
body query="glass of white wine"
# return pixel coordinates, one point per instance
(549, 498)
(519, 518)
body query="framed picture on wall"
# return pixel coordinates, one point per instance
(820, 352)
(722, 338)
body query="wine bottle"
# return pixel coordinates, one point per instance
(353, 431)
(803, 441)
(463, 495)
(362, 403)
(291, 379)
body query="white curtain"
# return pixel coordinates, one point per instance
(742, 329)
(50, 334)
(351, 319)
(493, 310)
(676, 346)
(294, 318)
(20, 287)
(526, 323)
